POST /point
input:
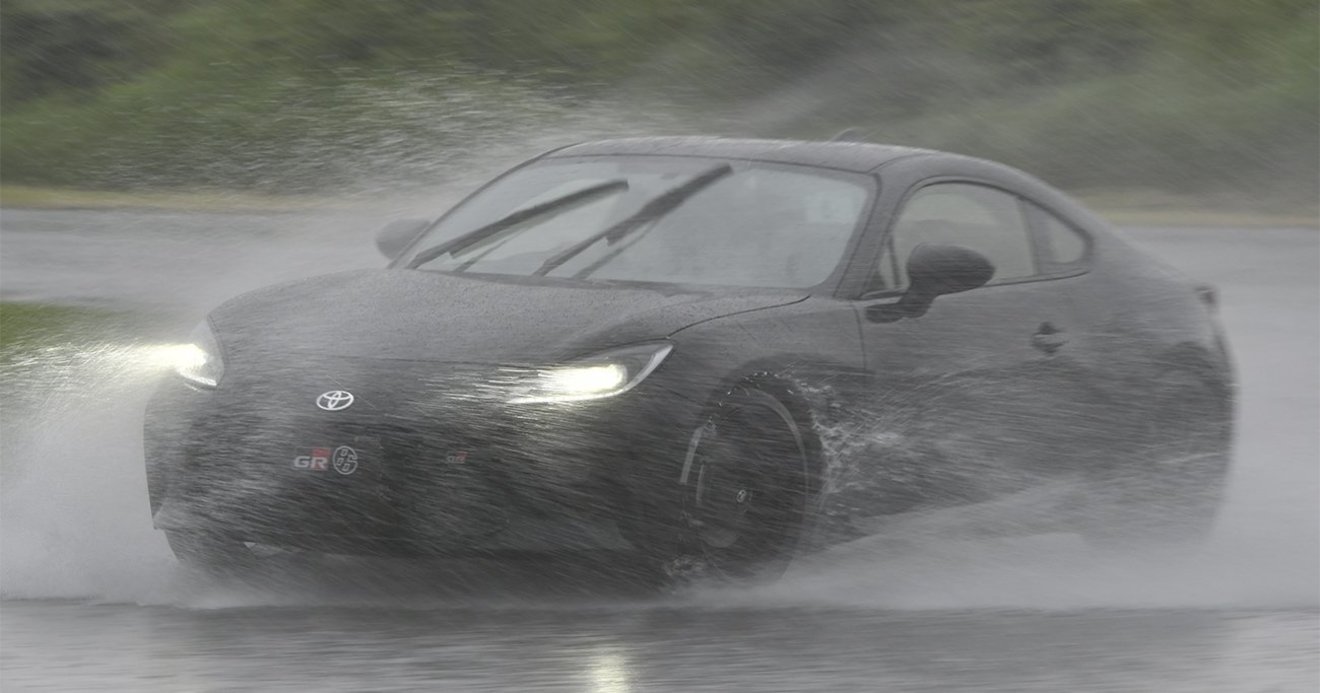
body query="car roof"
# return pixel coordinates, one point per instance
(848, 156)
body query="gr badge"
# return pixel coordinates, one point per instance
(344, 459)
(318, 461)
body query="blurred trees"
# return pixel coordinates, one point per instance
(1081, 90)
(56, 45)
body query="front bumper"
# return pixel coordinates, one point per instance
(434, 470)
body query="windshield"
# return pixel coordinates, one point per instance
(654, 219)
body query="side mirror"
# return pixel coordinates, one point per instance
(935, 270)
(392, 238)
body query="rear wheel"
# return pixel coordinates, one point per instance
(1170, 494)
(1174, 505)
(746, 482)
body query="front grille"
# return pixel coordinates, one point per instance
(446, 465)
(241, 473)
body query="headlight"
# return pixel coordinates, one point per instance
(199, 361)
(606, 374)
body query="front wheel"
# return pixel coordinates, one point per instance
(746, 484)
(209, 553)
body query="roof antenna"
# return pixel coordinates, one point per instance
(849, 135)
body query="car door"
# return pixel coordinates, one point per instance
(1115, 374)
(968, 398)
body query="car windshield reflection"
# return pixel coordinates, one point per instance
(735, 225)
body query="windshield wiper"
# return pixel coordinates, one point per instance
(663, 204)
(481, 233)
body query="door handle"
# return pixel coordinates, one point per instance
(1048, 338)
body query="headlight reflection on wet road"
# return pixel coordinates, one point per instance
(610, 671)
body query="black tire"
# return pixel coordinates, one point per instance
(1170, 494)
(1171, 508)
(210, 554)
(747, 482)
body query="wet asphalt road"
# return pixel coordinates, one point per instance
(94, 647)
(93, 602)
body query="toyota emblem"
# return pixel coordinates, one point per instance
(335, 400)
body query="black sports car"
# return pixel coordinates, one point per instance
(704, 351)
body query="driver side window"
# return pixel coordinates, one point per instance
(976, 217)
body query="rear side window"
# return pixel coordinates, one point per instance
(975, 217)
(1062, 246)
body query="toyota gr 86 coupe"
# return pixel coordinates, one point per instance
(703, 351)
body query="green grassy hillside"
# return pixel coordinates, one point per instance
(1217, 96)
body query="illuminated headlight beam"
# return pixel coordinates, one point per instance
(198, 362)
(601, 375)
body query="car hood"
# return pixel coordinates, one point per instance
(418, 315)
